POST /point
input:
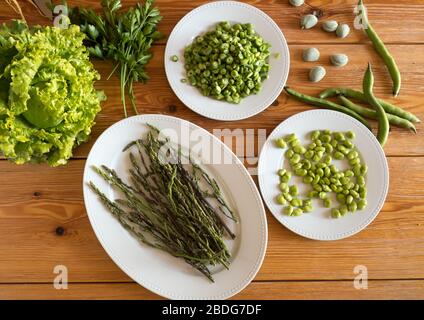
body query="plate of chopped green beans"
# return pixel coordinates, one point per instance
(227, 60)
(177, 218)
(323, 175)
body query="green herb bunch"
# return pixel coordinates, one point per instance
(125, 37)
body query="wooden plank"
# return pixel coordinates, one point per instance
(322, 290)
(157, 97)
(408, 26)
(39, 201)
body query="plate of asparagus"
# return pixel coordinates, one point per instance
(175, 217)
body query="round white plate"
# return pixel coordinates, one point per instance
(318, 224)
(155, 270)
(203, 19)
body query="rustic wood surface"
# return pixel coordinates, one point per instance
(43, 222)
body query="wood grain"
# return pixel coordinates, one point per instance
(323, 290)
(396, 21)
(31, 248)
(43, 222)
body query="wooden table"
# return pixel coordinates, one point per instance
(43, 222)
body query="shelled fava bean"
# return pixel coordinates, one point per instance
(228, 63)
(314, 164)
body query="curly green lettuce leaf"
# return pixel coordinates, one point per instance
(47, 97)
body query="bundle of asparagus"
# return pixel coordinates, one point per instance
(171, 206)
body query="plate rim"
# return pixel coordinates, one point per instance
(149, 285)
(355, 230)
(268, 101)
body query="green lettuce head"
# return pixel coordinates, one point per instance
(47, 97)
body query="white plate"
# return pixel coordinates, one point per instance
(153, 269)
(319, 225)
(203, 19)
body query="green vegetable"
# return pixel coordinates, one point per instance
(296, 3)
(310, 54)
(339, 60)
(47, 102)
(281, 143)
(174, 58)
(372, 114)
(165, 206)
(316, 74)
(383, 122)
(357, 95)
(381, 50)
(125, 37)
(342, 30)
(323, 176)
(330, 26)
(228, 63)
(308, 21)
(326, 104)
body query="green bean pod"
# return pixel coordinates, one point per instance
(372, 114)
(357, 95)
(383, 122)
(321, 103)
(382, 51)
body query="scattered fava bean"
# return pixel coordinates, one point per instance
(364, 169)
(309, 154)
(306, 164)
(338, 155)
(299, 149)
(362, 204)
(313, 194)
(349, 173)
(335, 213)
(330, 26)
(280, 143)
(288, 197)
(349, 199)
(285, 178)
(334, 143)
(343, 30)
(315, 135)
(295, 159)
(318, 143)
(308, 21)
(360, 181)
(293, 190)
(317, 187)
(334, 188)
(291, 137)
(327, 202)
(296, 202)
(339, 136)
(354, 194)
(283, 187)
(281, 200)
(348, 144)
(288, 210)
(355, 161)
(307, 208)
(297, 166)
(310, 54)
(352, 155)
(296, 3)
(326, 188)
(317, 74)
(315, 182)
(282, 172)
(301, 172)
(322, 195)
(297, 212)
(350, 135)
(307, 180)
(339, 60)
(289, 154)
(353, 207)
(343, 209)
(341, 198)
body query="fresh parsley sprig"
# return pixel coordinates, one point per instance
(125, 37)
